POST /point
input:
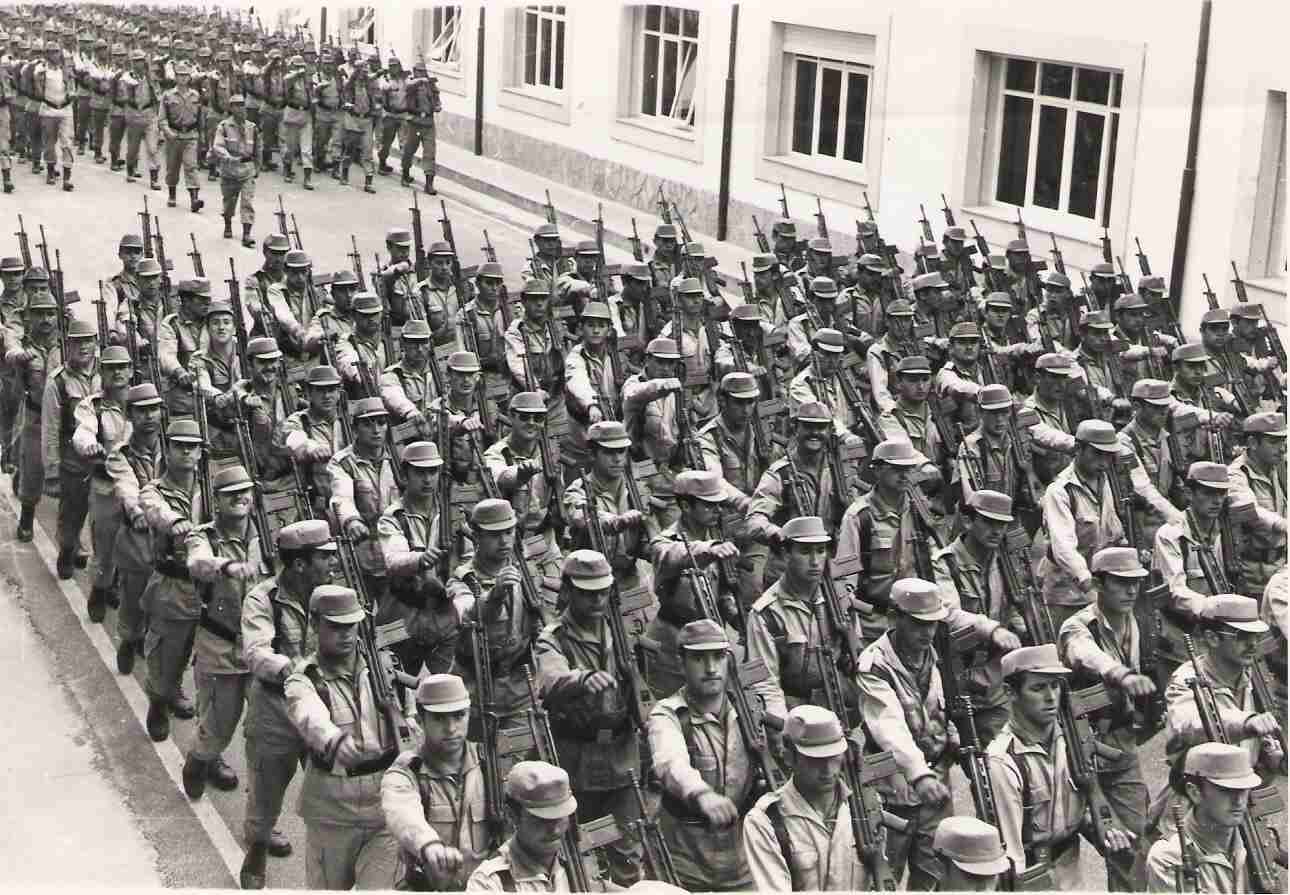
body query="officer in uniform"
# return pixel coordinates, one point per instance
(359, 96)
(297, 122)
(423, 103)
(179, 119)
(225, 557)
(276, 635)
(137, 463)
(539, 806)
(1259, 475)
(331, 700)
(258, 399)
(971, 852)
(1149, 350)
(142, 98)
(393, 86)
(327, 113)
(820, 382)
(767, 296)
(704, 766)
(314, 435)
(434, 799)
(360, 354)
(272, 100)
(579, 684)
(439, 288)
(821, 313)
(800, 837)
(236, 147)
(7, 95)
(55, 91)
(913, 417)
(140, 309)
(66, 472)
(1050, 324)
(990, 458)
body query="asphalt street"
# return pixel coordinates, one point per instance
(88, 762)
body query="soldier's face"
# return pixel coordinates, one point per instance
(181, 456)
(274, 260)
(765, 280)
(901, 326)
(804, 563)
(445, 732)
(528, 426)
(441, 267)
(146, 419)
(336, 642)
(586, 266)
(609, 463)
(737, 411)
(1152, 416)
(398, 251)
(914, 387)
(12, 280)
(1096, 338)
(367, 324)
(265, 370)
(130, 259)
(462, 383)
(702, 514)
(415, 352)
(956, 879)
(548, 245)
(1214, 336)
(80, 352)
(220, 327)
(539, 836)
(320, 568)
(115, 376)
(195, 306)
(828, 361)
(1051, 387)
(815, 776)
(369, 432)
(322, 400)
(1036, 698)
(1217, 807)
(1117, 594)
(1246, 329)
(1191, 373)
(1132, 320)
(490, 288)
(1207, 502)
(785, 243)
(665, 245)
(296, 278)
(1103, 287)
(423, 481)
(234, 505)
(1092, 462)
(892, 478)
(588, 607)
(493, 546)
(148, 286)
(986, 531)
(965, 351)
(1267, 450)
(994, 422)
(1233, 648)
(997, 318)
(821, 261)
(535, 308)
(182, 80)
(1018, 261)
(594, 332)
(342, 297)
(812, 437)
(705, 672)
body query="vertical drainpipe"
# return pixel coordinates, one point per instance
(727, 127)
(479, 84)
(1182, 235)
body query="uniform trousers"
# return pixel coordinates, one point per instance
(913, 845)
(73, 507)
(181, 153)
(167, 647)
(274, 751)
(270, 126)
(623, 856)
(5, 137)
(81, 117)
(116, 132)
(212, 120)
(56, 132)
(104, 526)
(31, 462)
(141, 131)
(233, 189)
(326, 123)
(10, 400)
(391, 125)
(220, 699)
(1126, 791)
(297, 138)
(417, 135)
(356, 146)
(98, 127)
(345, 857)
(35, 136)
(131, 620)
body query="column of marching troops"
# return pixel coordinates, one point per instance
(623, 577)
(202, 92)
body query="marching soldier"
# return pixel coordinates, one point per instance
(818, 382)
(550, 262)
(397, 287)
(433, 799)
(297, 122)
(33, 356)
(936, 304)
(534, 358)
(226, 556)
(1052, 436)
(142, 98)
(971, 851)
(360, 356)
(287, 309)
(651, 408)
(138, 462)
(579, 685)
(179, 120)
(785, 245)
(327, 112)
(822, 313)
(1154, 477)
(7, 127)
(883, 355)
(12, 302)
(276, 636)
(259, 400)
(125, 285)
(358, 95)
(216, 369)
(407, 387)
(346, 842)
(55, 89)
(311, 437)
(1259, 475)
(913, 417)
(1188, 552)
(1191, 363)
(439, 288)
(1008, 358)
(866, 309)
(418, 130)
(1149, 350)
(66, 472)
(272, 101)
(768, 298)
(591, 391)
(393, 87)
(274, 268)
(1050, 324)
(179, 336)
(703, 765)
(236, 147)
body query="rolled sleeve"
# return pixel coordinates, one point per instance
(885, 720)
(404, 814)
(671, 755)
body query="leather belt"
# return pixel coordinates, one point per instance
(216, 628)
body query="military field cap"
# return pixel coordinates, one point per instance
(1192, 352)
(463, 362)
(689, 285)
(1152, 283)
(130, 241)
(366, 303)
(1246, 310)
(235, 478)
(1130, 302)
(1265, 424)
(237, 99)
(1056, 364)
(398, 236)
(115, 355)
(703, 484)
(815, 731)
(296, 61)
(915, 364)
(297, 259)
(586, 247)
(308, 534)
(148, 267)
(276, 242)
(365, 407)
(1101, 269)
(263, 347)
(820, 244)
(740, 385)
(638, 272)
(1122, 562)
(919, 598)
(665, 231)
(747, 314)
(223, 56)
(761, 263)
(784, 227)
(898, 452)
(588, 570)
(1222, 764)
(1035, 659)
(596, 310)
(1099, 434)
(442, 693)
(806, 530)
(1097, 320)
(490, 269)
(79, 329)
(1216, 317)
(344, 278)
(867, 228)
(11, 265)
(929, 281)
(417, 331)
(186, 431)
(195, 286)
(972, 844)
(547, 231)
(536, 288)
(135, 56)
(824, 287)
(1235, 611)
(422, 454)
(703, 635)
(965, 330)
(493, 514)
(322, 376)
(440, 248)
(900, 308)
(336, 604)
(931, 250)
(813, 412)
(994, 397)
(142, 395)
(957, 233)
(999, 300)
(828, 339)
(1018, 245)
(541, 789)
(664, 349)
(992, 504)
(873, 262)
(1211, 475)
(609, 433)
(1153, 391)
(1056, 280)
(528, 402)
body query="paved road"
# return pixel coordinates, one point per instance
(143, 810)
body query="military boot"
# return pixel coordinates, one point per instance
(228, 227)
(51, 174)
(406, 179)
(254, 866)
(342, 172)
(67, 180)
(246, 236)
(430, 190)
(220, 775)
(170, 196)
(367, 184)
(125, 656)
(153, 183)
(96, 605)
(8, 180)
(194, 204)
(195, 771)
(287, 174)
(158, 720)
(26, 519)
(308, 184)
(131, 174)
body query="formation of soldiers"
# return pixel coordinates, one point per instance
(622, 577)
(203, 92)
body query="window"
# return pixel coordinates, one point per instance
(1267, 242)
(1057, 130)
(543, 47)
(440, 32)
(830, 105)
(669, 54)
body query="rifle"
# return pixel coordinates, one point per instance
(422, 263)
(488, 724)
(239, 323)
(603, 273)
(1107, 252)
(1126, 285)
(1265, 876)
(469, 329)
(1187, 876)
(657, 855)
(664, 212)
(204, 464)
(24, 247)
(1210, 296)
(281, 215)
(445, 496)
(145, 217)
(978, 774)
(926, 224)
(1021, 228)
(637, 252)
(1143, 264)
(199, 269)
(100, 308)
(552, 217)
(821, 224)
(261, 516)
(1273, 339)
(56, 280)
(490, 253)
(707, 601)
(166, 264)
(763, 244)
(947, 211)
(1059, 263)
(1241, 295)
(783, 204)
(356, 262)
(295, 233)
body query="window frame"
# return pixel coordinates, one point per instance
(640, 34)
(513, 93)
(788, 94)
(540, 13)
(656, 134)
(452, 80)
